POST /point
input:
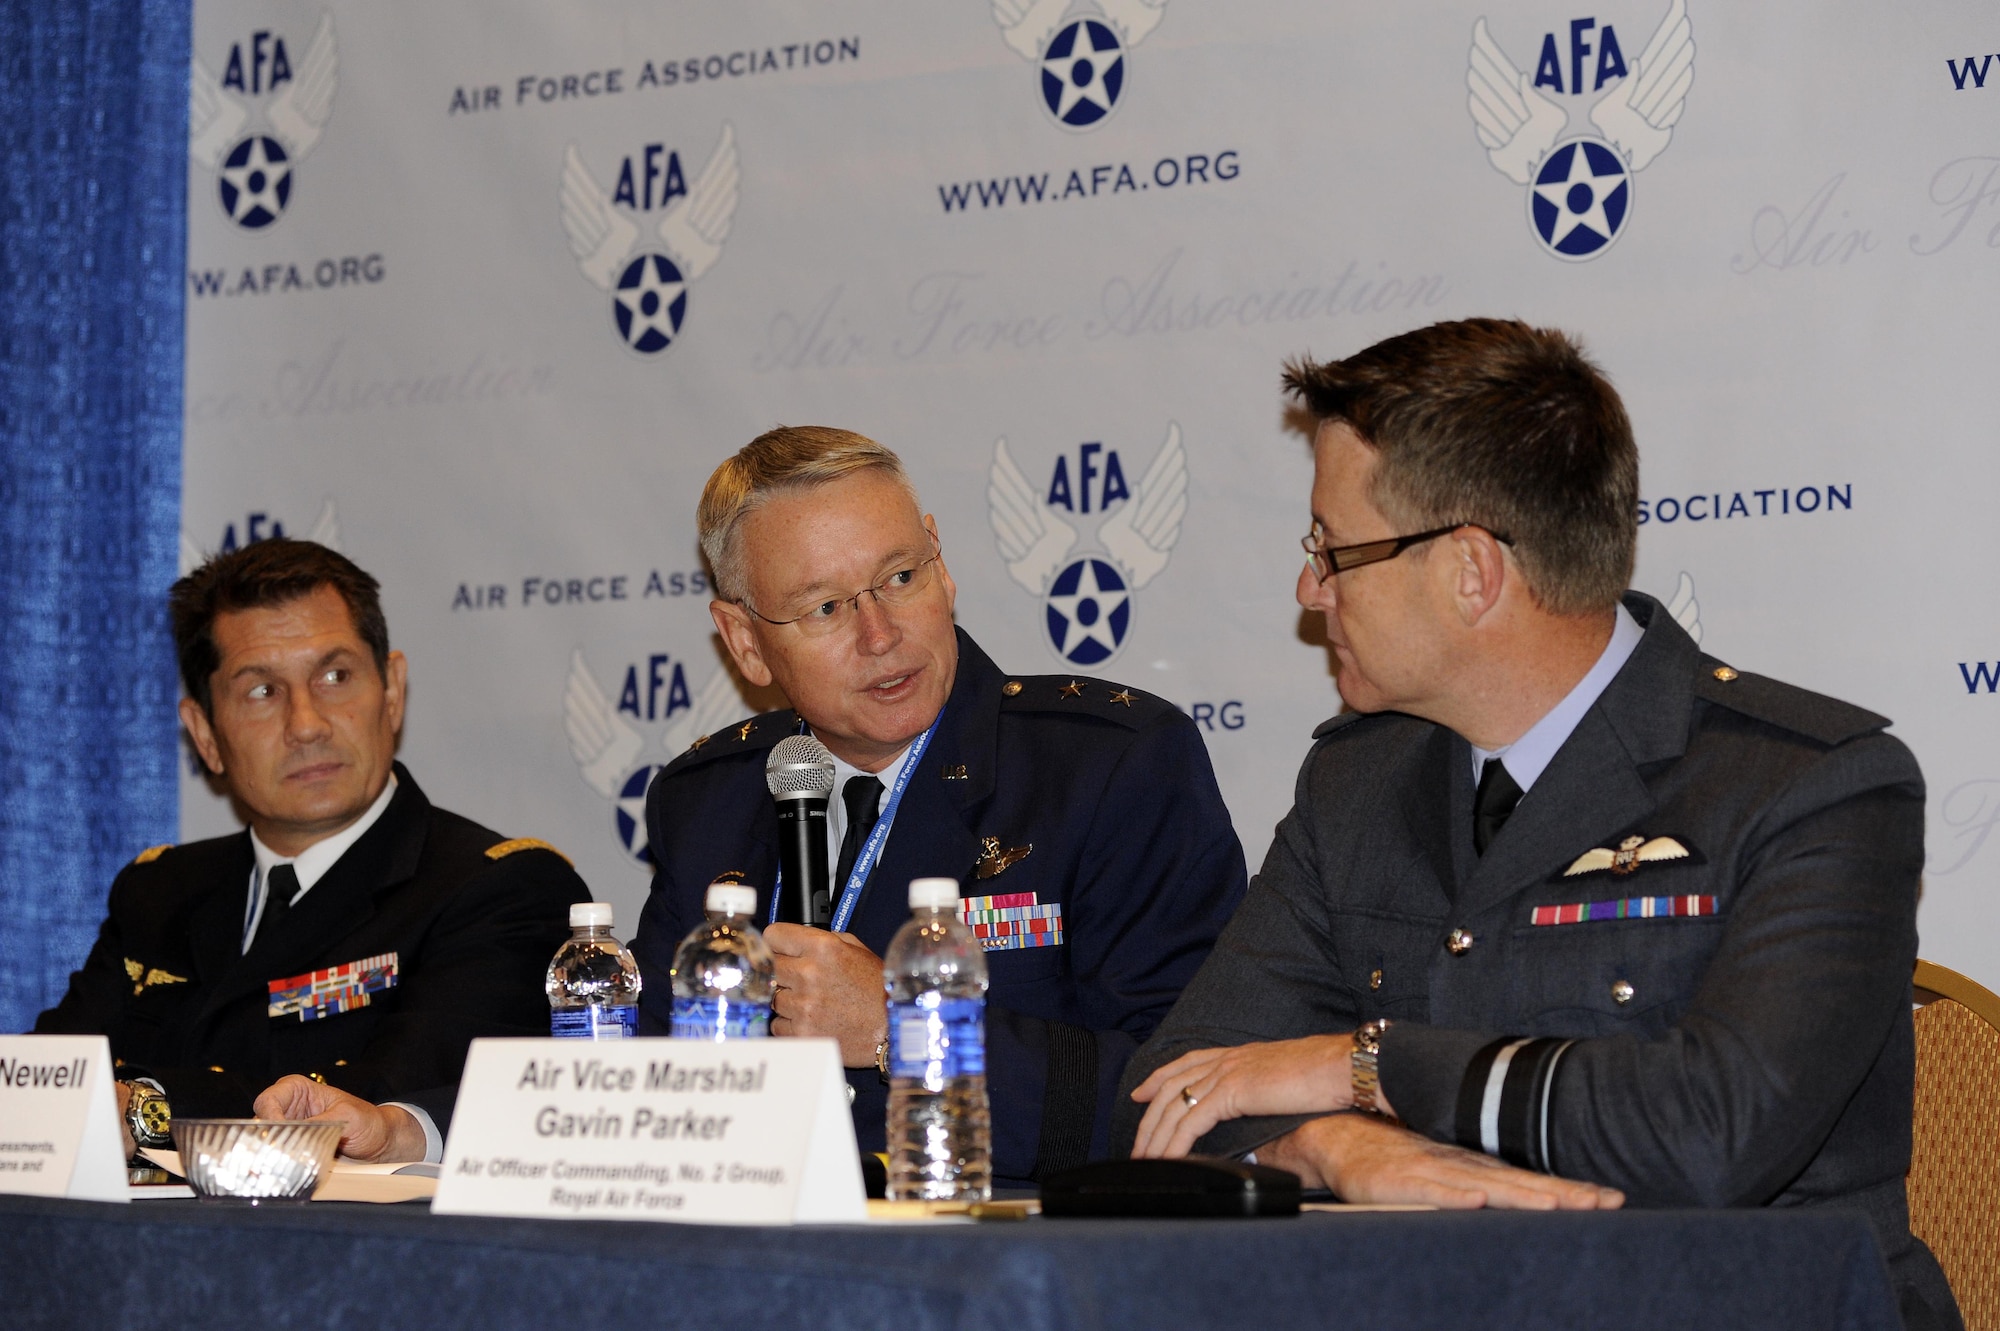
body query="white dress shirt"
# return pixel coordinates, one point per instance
(310, 864)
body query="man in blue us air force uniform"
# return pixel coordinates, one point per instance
(1569, 899)
(1087, 811)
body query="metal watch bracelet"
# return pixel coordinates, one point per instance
(1367, 1078)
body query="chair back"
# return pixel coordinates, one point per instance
(1954, 1181)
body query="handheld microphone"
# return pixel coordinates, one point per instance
(799, 775)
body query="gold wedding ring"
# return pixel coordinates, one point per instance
(1188, 1098)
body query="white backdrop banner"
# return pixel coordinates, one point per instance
(480, 291)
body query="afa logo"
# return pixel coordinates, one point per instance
(256, 527)
(1685, 609)
(1087, 600)
(648, 287)
(254, 170)
(1080, 60)
(1580, 184)
(607, 743)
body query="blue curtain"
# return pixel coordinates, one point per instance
(93, 191)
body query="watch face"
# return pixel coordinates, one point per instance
(155, 1116)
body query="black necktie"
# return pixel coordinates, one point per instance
(863, 797)
(1496, 799)
(280, 886)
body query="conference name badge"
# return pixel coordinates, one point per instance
(337, 989)
(1012, 920)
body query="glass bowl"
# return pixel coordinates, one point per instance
(254, 1158)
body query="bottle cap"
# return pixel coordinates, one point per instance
(731, 899)
(933, 893)
(595, 913)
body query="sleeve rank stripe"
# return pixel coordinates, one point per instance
(1504, 1099)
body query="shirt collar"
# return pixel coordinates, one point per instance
(1529, 756)
(836, 807)
(312, 863)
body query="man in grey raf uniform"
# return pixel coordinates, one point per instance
(1090, 808)
(1565, 913)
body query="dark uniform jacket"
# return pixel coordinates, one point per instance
(472, 918)
(1109, 793)
(1744, 1040)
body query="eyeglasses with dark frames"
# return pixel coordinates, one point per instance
(1328, 560)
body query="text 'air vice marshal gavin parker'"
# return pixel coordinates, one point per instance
(675, 1130)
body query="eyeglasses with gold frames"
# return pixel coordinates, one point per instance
(902, 587)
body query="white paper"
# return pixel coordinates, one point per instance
(59, 1132)
(745, 1132)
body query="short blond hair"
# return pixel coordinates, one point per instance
(783, 461)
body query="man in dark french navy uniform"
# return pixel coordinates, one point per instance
(1566, 913)
(1081, 818)
(354, 932)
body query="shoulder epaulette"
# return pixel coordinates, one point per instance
(1814, 715)
(521, 843)
(151, 853)
(748, 735)
(1340, 722)
(1081, 695)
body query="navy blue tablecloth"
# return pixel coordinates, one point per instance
(195, 1264)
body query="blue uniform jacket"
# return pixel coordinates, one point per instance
(1112, 792)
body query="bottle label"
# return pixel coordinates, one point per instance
(936, 1042)
(718, 1018)
(596, 1021)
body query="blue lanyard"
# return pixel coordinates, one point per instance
(871, 850)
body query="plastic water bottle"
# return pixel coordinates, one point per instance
(940, 1126)
(593, 983)
(723, 974)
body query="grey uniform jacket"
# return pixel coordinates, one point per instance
(1736, 1034)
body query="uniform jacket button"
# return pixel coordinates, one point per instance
(1622, 991)
(1459, 943)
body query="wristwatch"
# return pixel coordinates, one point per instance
(882, 1059)
(148, 1114)
(1367, 1081)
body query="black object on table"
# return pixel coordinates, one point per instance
(190, 1264)
(1187, 1187)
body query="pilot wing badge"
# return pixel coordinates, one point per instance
(1087, 600)
(1625, 860)
(648, 280)
(1579, 182)
(1080, 59)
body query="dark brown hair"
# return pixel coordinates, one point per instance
(266, 573)
(1495, 423)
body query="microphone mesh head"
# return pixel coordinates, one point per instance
(799, 765)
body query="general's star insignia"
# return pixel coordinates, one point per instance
(699, 741)
(1631, 853)
(1123, 697)
(1071, 690)
(744, 733)
(993, 860)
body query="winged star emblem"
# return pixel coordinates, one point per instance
(649, 289)
(254, 172)
(1087, 602)
(1580, 186)
(607, 746)
(1080, 59)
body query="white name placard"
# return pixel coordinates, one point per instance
(752, 1132)
(59, 1118)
